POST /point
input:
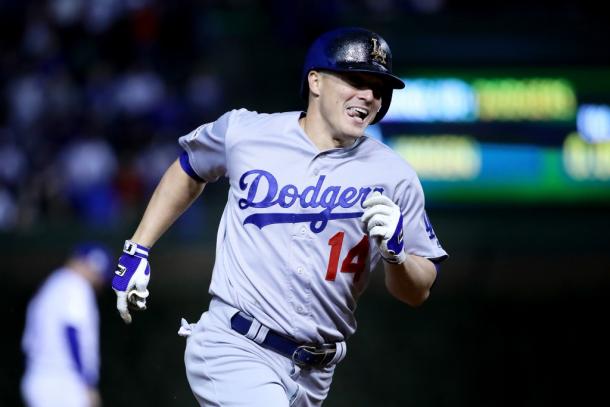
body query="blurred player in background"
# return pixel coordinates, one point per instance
(314, 204)
(61, 337)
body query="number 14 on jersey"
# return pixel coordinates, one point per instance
(354, 261)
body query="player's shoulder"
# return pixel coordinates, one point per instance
(252, 117)
(384, 152)
(62, 286)
(375, 143)
(381, 158)
(243, 124)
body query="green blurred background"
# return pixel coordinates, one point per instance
(517, 315)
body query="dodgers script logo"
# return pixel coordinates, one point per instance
(264, 192)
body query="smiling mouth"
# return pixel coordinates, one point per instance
(358, 112)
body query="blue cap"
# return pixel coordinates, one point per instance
(98, 256)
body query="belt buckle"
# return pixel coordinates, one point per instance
(309, 356)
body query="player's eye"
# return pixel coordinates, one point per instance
(362, 81)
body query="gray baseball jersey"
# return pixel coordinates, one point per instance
(291, 249)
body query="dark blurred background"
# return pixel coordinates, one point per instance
(95, 94)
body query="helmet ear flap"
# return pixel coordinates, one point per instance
(386, 99)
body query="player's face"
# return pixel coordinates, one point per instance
(349, 101)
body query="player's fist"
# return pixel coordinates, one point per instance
(383, 222)
(131, 279)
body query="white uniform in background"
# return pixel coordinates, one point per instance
(65, 302)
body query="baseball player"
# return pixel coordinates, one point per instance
(61, 336)
(314, 204)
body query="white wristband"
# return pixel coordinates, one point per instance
(135, 249)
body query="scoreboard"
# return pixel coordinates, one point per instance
(531, 135)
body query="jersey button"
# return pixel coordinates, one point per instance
(300, 309)
(300, 271)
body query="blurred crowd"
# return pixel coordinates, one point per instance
(91, 108)
(95, 92)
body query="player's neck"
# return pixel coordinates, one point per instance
(82, 269)
(321, 136)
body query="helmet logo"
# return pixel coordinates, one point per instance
(378, 54)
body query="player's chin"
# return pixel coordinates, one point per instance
(356, 126)
(350, 132)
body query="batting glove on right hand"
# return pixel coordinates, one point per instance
(383, 221)
(131, 279)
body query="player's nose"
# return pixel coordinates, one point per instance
(369, 93)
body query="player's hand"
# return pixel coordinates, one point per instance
(383, 221)
(131, 279)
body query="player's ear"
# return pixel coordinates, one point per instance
(313, 79)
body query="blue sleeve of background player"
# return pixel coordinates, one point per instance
(75, 352)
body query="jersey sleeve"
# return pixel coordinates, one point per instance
(81, 333)
(419, 235)
(206, 149)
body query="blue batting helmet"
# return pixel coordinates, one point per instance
(353, 50)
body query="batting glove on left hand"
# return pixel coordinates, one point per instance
(383, 221)
(131, 279)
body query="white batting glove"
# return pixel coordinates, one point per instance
(383, 221)
(131, 279)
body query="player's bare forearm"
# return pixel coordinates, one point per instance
(410, 281)
(174, 194)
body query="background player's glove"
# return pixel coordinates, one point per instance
(131, 279)
(383, 221)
